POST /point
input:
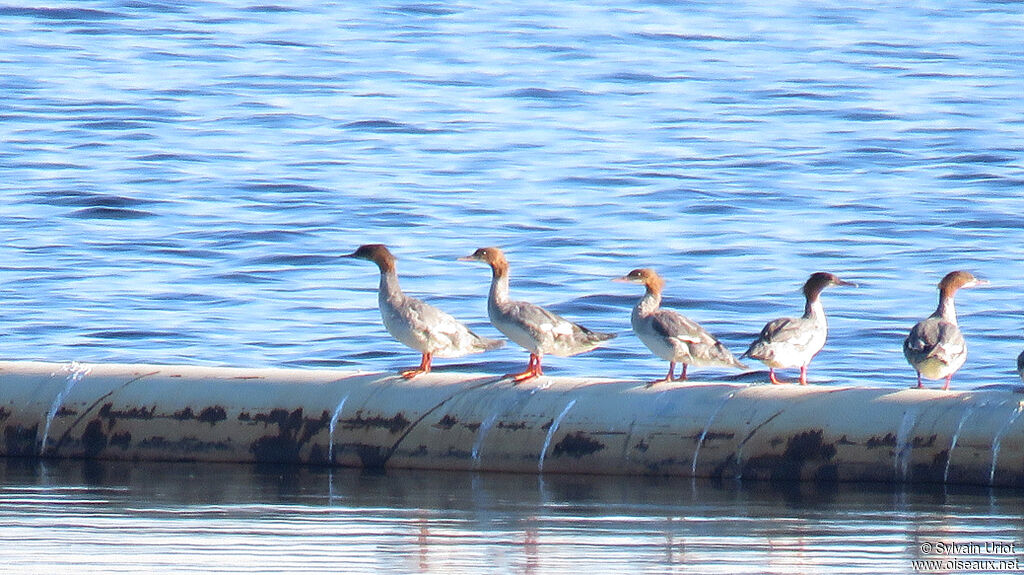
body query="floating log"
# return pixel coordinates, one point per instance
(461, 421)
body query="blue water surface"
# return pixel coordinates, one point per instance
(179, 179)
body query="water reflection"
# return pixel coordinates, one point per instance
(309, 519)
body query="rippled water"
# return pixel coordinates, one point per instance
(178, 180)
(233, 518)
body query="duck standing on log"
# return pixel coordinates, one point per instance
(935, 347)
(531, 326)
(670, 335)
(418, 325)
(794, 341)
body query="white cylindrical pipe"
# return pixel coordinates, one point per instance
(476, 422)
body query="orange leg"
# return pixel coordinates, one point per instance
(771, 376)
(803, 375)
(533, 369)
(669, 377)
(682, 376)
(919, 384)
(949, 378)
(423, 368)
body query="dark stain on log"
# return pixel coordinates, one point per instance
(807, 447)
(920, 442)
(516, 426)
(372, 456)
(577, 445)
(311, 426)
(20, 441)
(845, 441)
(889, 440)
(658, 467)
(244, 416)
(94, 441)
(293, 432)
(720, 435)
(932, 472)
(547, 425)
(212, 414)
(447, 422)
(184, 414)
(184, 445)
(392, 424)
(318, 455)
(828, 473)
(122, 439)
(108, 412)
(472, 426)
(280, 417)
(458, 453)
(421, 451)
(641, 446)
(65, 411)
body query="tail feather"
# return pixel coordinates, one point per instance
(727, 357)
(484, 343)
(755, 351)
(591, 336)
(489, 344)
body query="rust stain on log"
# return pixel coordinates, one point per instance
(293, 432)
(807, 447)
(212, 414)
(577, 445)
(94, 441)
(20, 441)
(108, 412)
(447, 422)
(393, 424)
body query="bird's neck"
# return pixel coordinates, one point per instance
(389, 288)
(813, 309)
(649, 303)
(946, 309)
(499, 284)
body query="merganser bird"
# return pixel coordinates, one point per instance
(671, 336)
(529, 325)
(935, 347)
(418, 325)
(794, 341)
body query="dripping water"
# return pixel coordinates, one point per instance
(996, 442)
(551, 433)
(331, 426)
(76, 373)
(903, 445)
(956, 438)
(481, 433)
(704, 432)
